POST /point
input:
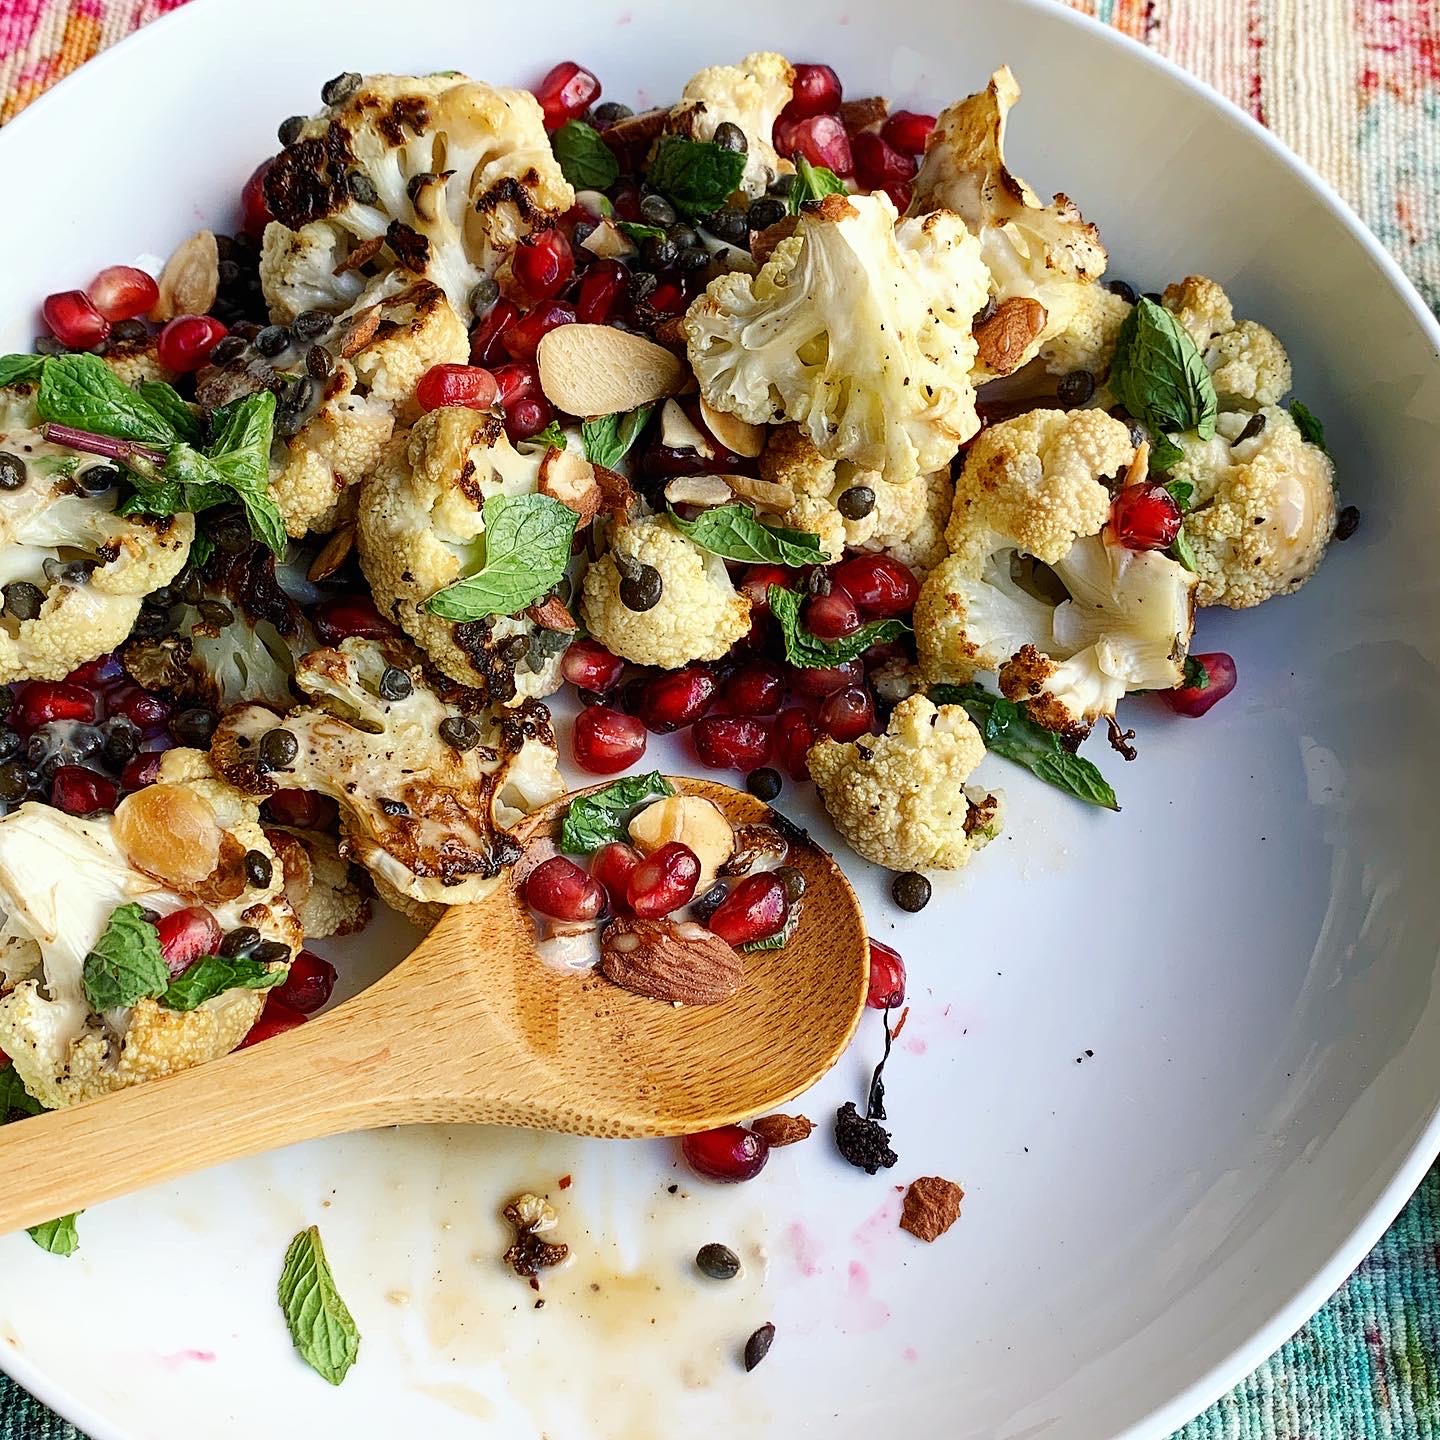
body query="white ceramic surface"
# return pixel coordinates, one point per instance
(1248, 949)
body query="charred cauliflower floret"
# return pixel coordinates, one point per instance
(751, 95)
(1088, 340)
(428, 790)
(435, 176)
(901, 799)
(855, 328)
(137, 360)
(1046, 255)
(72, 572)
(61, 880)
(320, 883)
(1246, 361)
(699, 615)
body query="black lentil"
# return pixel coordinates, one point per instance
(194, 726)
(268, 951)
(290, 128)
(1125, 291)
(658, 252)
(1075, 388)
(232, 347)
(484, 295)
(782, 185)
(241, 941)
(864, 1143)
(1347, 522)
(340, 89)
(459, 733)
(757, 1347)
(319, 362)
(152, 622)
(766, 211)
(1254, 427)
(692, 261)
(229, 530)
(12, 471)
(718, 1262)
(258, 869)
(47, 345)
(793, 881)
(122, 741)
(856, 502)
(272, 340)
(643, 589)
(1155, 297)
(127, 331)
(704, 906)
(911, 891)
(610, 112)
(728, 225)
(657, 210)
(394, 684)
(97, 479)
(217, 612)
(311, 324)
(68, 572)
(22, 599)
(15, 778)
(583, 230)
(764, 784)
(278, 748)
(9, 743)
(729, 136)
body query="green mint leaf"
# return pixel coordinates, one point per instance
(1182, 552)
(201, 548)
(319, 1321)
(20, 369)
(1011, 734)
(607, 438)
(243, 431)
(812, 653)
(212, 975)
(166, 400)
(735, 532)
(126, 964)
(1306, 420)
(84, 392)
(596, 820)
(15, 1099)
(813, 182)
(778, 940)
(634, 230)
(59, 1237)
(698, 176)
(1182, 492)
(1197, 677)
(527, 547)
(1165, 454)
(1159, 376)
(586, 161)
(552, 437)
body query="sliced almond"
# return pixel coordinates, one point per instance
(1139, 467)
(763, 243)
(732, 432)
(783, 1129)
(362, 254)
(864, 114)
(692, 821)
(608, 241)
(333, 554)
(763, 494)
(570, 479)
(616, 493)
(190, 280)
(598, 370)
(675, 961)
(704, 490)
(1005, 335)
(635, 128)
(360, 331)
(677, 432)
(551, 613)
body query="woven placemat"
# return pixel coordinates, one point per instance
(1354, 87)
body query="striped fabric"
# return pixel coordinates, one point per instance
(1354, 87)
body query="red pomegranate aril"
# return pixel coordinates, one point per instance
(612, 865)
(754, 910)
(900, 196)
(349, 615)
(80, 791)
(105, 670)
(300, 809)
(308, 985)
(825, 681)
(729, 1154)
(757, 582)
(142, 770)
(588, 665)
(815, 90)
(848, 714)
(887, 977)
(516, 383)
(567, 92)
(880, 586)
(275, 1019)
(879, 165)
(489, 332)
(559, 888)
(907, 131)
(146, 711)
(54, 700)
(606, 741)
(756, 688)
(601, 289)
(731, 742)
(523, 338)
(186, 342)
(1145, 517)
(795, 733)
(121, 292)
(832, 616)
(73, 320)
(1217, 670)
(667, 297)
(186, 935)
(822, 140)
(254, 207)
(676, 698)
(543, 263)
(466, 385)
(663, 882)
(527, 417)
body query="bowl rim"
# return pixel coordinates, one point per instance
(1287, 1313)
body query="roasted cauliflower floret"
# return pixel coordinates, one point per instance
(320, 883)
(1042, 253)
(699, 615)
(1088, 340)
(901, 799)
(434, 176)
(855, 328)
(751, 95)
(1246, 361)
(61, 879)
(429, 821)
(72, 571)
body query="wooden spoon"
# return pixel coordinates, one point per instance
(472, 1026)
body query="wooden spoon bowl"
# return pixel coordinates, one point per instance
(473, 1026)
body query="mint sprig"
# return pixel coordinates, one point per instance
(586, 161)
(697, 176)
(126, 964)
(813, 182)
(1309, 424)
(59, 1237)
(320, 1323)
(596, 820)
(15, 1099)
(212, 975)
(735, 532)
(608, 438)
(21, 369)
(809, 651)
(1160, 377)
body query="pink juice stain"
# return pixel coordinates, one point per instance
(863, 1312)
(804, 1249)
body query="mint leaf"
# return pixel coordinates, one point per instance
(14, 1097)
(166, 400)
(735, 532)
(778, 940)
(126, 964)
(84, 392)
(698, 176)
(1305, 420)
(20, 369)
(59, 1237)
(809, 651)
(1010, 733)
(212, 975)
(813, 182)
(1159, 375)
(596, 820)
(1197, 677)
(1182, 552)
(1164, 452)
(243, 431)
(552, 437)
(527, 547)
(1182, 492)
(608, 438)
(319, 1321)
(586, 161)
(634, 230)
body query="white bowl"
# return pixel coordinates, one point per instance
(1248, 950)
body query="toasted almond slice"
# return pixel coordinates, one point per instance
(677, 433)
(698, 490)
(332, 554)
(1003, 337)
(552, 613)
(616, 493)
(190, 279)
(570, 479)
(360, 332)
(608, 241)
(598, 370)
(763, 494)
(1139, 467)
(732, 432)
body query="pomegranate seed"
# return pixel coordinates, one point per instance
(795, 733)
(104, 671)
(186, 342)
(887, 977)
(907, 131)
(527, 418)
(900, 196)
(814, 91)
(121, 292)
(821, 139)
(517, 382)
(523, 338)
(879, 165)
(275, 1018)
(1217, 671)
(757, 582)
(676, 698)
(300, 809)
(879, 585)
(588, 665)
(663, 882)
(465, 385)
(731, 742)
(566, 92)
(626, 200)
(730, 1154)
(79, 791)
(667, 297)
(149, 713)
(308, 985)
(254, 207)
(1145, 517)
(54, 700)
(186, 935)
(600, 290)
(756, 688)
(561, 889)
(526, 409)
(74, 321)
(348, 615)
(754, 910)
(826, 681)
(543, 263)
(141, 771)
(848, 714)
(832, 616)
(486, 337)
(606, 741)
(612, 866)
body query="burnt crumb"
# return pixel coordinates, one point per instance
(1347, 522)
(393, 807)
(529, 1254)
(1120, 739)
(864, 1143)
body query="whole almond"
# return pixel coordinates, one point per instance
(1006, 333)
(598, 370)
(763, 494)
(783, 1129)
(190, 279)
(675, 961)
(732, 432)
(570, 479)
